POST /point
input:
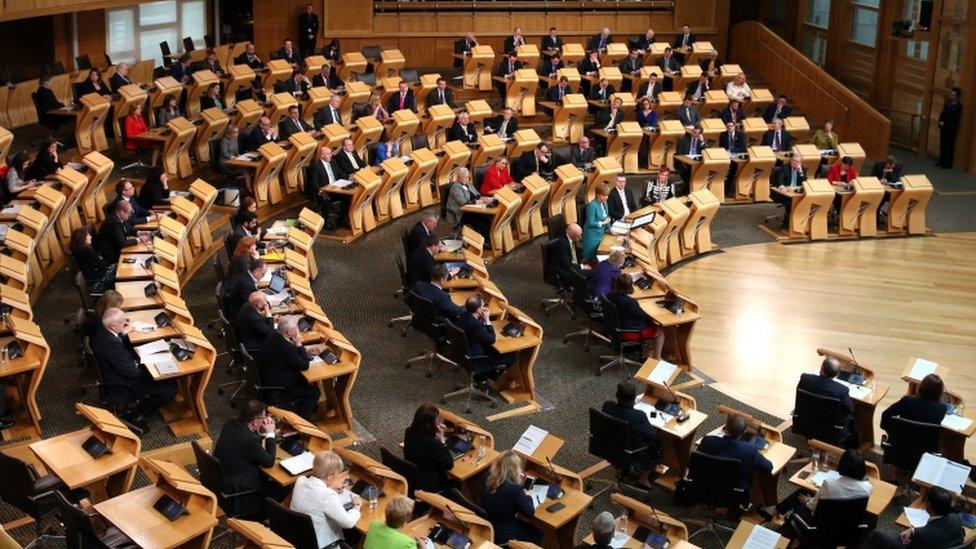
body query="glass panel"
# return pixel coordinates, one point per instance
(157, 13)
(818, 13)
(815, 46)
(872, 3)
(865, 27)
(917, 50)
(120, 34)
(149, 43)
(955, 9)
(193, 21)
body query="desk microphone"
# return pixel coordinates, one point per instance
(858, 366)
(463, 525)
(661, 527)
(555, 478)
(681, 416)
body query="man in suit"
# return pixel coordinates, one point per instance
(944, 527)
(696, 90)
(650, 89)
(463, 47)
(463, 129)
(564, 257)
(127, 382)
(711, 65)
(297, 85)
(287, 53)
(246, 444)
(630, 65)
(601, 41)
(948, 128)
(602, 91)
(621, 201)
(643, 436)
(264, 132)
(779, 109)
(582, 154)
(504, 125)
(644, 42)
(734, 142)
(608, 118)
(249, 58)
(293, 124)
(126, 192)
(281, 362)
(329, 114)
(402, 99)
(588, 67)
(824, 384)
(537, 161)
(506, 69)
(887, 170)
(788, 177)
(212, 64)
(328, 78)
(253, 323)
(731, 113)
(420, 231)
(248, 226)
(348, 161)
(308, 30)
(691, 144)
(560, 90)
(729, 446)
(433, 291)
(116, 233)
(552, 44)
(515, 41)
(47, 101)
(237, 290)
(670, 66)
(549, 66)
(120, 78)
(321, 174)
(420, 266)
(477, 327)
(441, 95)
(688, 113)
(777, 138)
(683, 42)
(180, 70)
(925, 407)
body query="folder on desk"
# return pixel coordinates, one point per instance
(939, 471)
(299, 464)
(922, 368)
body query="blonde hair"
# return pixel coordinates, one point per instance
(398, 511)
(326, 463)
(603, 190)
(507, 467)
(617, 257)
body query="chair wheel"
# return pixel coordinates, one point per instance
(443, 401)
(407, 365)
(389, 324)
(599, 373)
(586, 349)
(220, 392)
(430, 374)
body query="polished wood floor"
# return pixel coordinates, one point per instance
(766, 308)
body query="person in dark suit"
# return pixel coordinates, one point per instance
(329, 114)
(779, 109)
(732, 112)
(608, 117)
(824, 384)
(298, 85)
(560, 90)
(590, 66)
(212, 64)
(463, 129)
(116, 233)
(332, 51)
(308, 31)
(281, 362)
(47, 101)
(550, 66)
(504, 500)
(421, 264)
(347, 160)
(734, 142)
(564, 257)
(642, 433)
(120, 78)
(515, 41)
(602, 529)
(321, 174)
(476, 324)
(238, 289)
(621, 201)
(249, 58)
(263, 132)
(253, 323)
(537, 161)
(729, 446)
(926, 407)
(643, 42)
(650, 89)
(949, 120)
(441, 95)
(94, 84)
(669, 65)
(126, 382)
(433, 291)
(506, 69)
(288, 53)
(211, 98)
(425, 445)
(711, 65)
(691, 144)
(99, 275)
(777, 138)
(420, 231)
(696, 90)
(788, 177)
(403, 99)
(632, 317)
(630, 65)
(552, 44)
(582, 154)
(245, 445)
(944, 528)
(888, 170)
(327, 77)
(125, 191)
(688, 113)
(604, 274)
(683, 42)
(463, 47)
(246, 225)
(600, 42)
(181, 70)
(504, 125)
(293, 124)
(602, 91)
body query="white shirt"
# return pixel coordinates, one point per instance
(312, 497)
(623, 200)
(738, 92)
(352, 159)
(842, 487)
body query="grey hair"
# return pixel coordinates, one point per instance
(286, 324)
(603, 527)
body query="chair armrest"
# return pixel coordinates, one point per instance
(635, 450)
(475, 357)
(270, 388)
(238, 494)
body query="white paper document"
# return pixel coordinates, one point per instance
(659, 419)
(141, 326)
(278, 298)
(10, 209)
(858, 392)
(278, 230)
(939, 471)
(922, 368)
(620, 228)
(452, 245)
(539, 492)
(530, 440)
(956, 423)
(916, 517)
(818, 478)
(152, 348)
(298, 464)
(341, 183)
(165, 367)
(619, 539)
(761, 538)
(662, 372)
(316, 360)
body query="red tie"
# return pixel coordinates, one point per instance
(402, 97)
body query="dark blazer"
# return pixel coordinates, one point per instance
(444, 307)
(561, 262)
(252, 328)
(318, 178)
(603, 118)
(944, 531)
(87, 87)
(502, 507)
(688, 116)
(341, 161)
(415, 238)
(308, 23)
(669, 64)
(234, 237)
(616, 207)
(547, 67)
(288, 127)
(786, 140)
(631, 316)
(878, 171)
(692, 88)
(783, 177)
(553, 93)
(113, 235)
(456, 133)
(642, 43)
(737, 144)
(139, 213)
(653, 92)
(594, 43)
(433, 461)
(434, 97)
(323, 117)
(602, 94)
(748, 455)
(642, 433)
(526, 165)
(42, 166)
(950, 116)
(251, 61)
(282, 363)
(242, 453)
(318, 80)
(824, 386)
(726, 116)
(420, 266)
(117, 81)
(119, 367)
(481, 338)
(214, 68)
(90, 263)
(502, 68)
(495, 122)
(254, 138)
(293, 86)
(179, 72)
(509, 44)
(236, 292)
(580, 158)
(152, 194)
(549, 42)
(684, 144)
(238, 265)
(600, 281)
(705, 62)
(679, 40)
(628, 65)
(770, 113)
(587, 66)
(914, 408)
(292, 57)
(409, 102)
(462, 46)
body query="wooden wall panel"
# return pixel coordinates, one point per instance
(493, 23)
(858, 71)
(452, 23)
(565, 22)
(698, 15)
(531, 23)
(345, 15)
(386, 24)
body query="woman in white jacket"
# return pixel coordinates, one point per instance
(318, 496)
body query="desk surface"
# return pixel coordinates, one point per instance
(742, 532)
(881, 495)
(64, 456)
(133, 514)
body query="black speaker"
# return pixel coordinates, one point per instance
(925, 14)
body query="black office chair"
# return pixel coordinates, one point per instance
(208, 40)
(212, 478)
(968, 544)
(584, 310)
(610, 441)
(905, 441)
(188, 45)
(84, 292)
(54, 69)
(817, 417)
(419, 141)
(296, 528)
(164, 49)
(232, 348)
(612, 329)
(561, 154)
(713, 481)
(407, 250)
(80, 533)
(252, 375)
(456, 496)
(563, 290)
(556, 225)
(83, 62)
(402, 270)
(368, 78)
(108, 60)
(371, 53)
(836, 522)
(424, 321)
(124, 409)
(218, 266)
(400, 466)
(410, 76)
(478, 176)
(444, 192)
(457, 351)
(33, 495)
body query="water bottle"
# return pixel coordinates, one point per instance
(372, 493)
(482, 448)
(622, 525)
(815, 460)
(960, 407)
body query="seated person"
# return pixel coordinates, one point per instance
(347, 160)
(925, 407)
(630, 65)
(155, 191)
(292, 124)
(463, 47)
(549, 67)
(825, 384)
(433, 291)
(852, 483)
(560, 90)
(621, 202)
(120, 78)
(564, 257)
(238, 289)
(504, 500)
(245, 224)
(887, 170)
(587, 68)
(463, 129)
(47, 101)
(125, 191)
(211, 99)
(944, 528)
(496, 177)
(779, 109)
(246, 444)
(732, 113)
(318, 495)
(602, 91)
(181, 70)
(697, 89)
(738, 89)
(605, 273)
(582, 155)
(420, 230)
(402, 99)
(691, 144)
(117, 233)
(537, 161)
(659, 189)
(17, 167)
(633, 318)
(229, 150)
(462, 192)
(298, 85)
(506, 70)
(608, 118)
(128, 383)
(327, 77)
(504, 125)
(600, 42)
(332, 51)
(441, 95)
(94, 84)
(642, 433)
(650, 89)
(826, 138)
(254, 323)
(425, 445)
(420, 266)
(245, 252)
(711, 64)
(281, 362)
(386, 534)
(170, 110)
(646, 114)
(386, 150)
(670, 66)
(249, 58)
(99, 274)
(788, 178)
(321, 174)
(263, 132)
(476, 324)
(730, 446)
(688, 113)
(377, 110)
(777, 138)
(841, 175)
(45, 162)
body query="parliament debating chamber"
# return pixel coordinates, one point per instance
(487, 273)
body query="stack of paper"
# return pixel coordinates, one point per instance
(620, 228)
(277, 230)
(277, 299)
(452, 245)
(818, 478)
(939, 471)
(165, 367)
(661, 373)
(298, 464)
(761, 538)
(916, 517)
(341, 183)
(144, 327)
(620, 539)
(530, 440)
(539, 494)
(922, 368)
(858, 392)
(147, 351)
(956, 423)
(658, 419)
(11, 209)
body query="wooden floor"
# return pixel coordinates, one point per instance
(766, 308)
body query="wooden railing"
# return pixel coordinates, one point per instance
(384, 6)
(815, 91)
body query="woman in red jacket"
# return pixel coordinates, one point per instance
(841, 175)
(496, 177)
(135, 125)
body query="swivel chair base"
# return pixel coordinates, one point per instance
(586, 334)
(431, 357)
(470, 390)
(618, 360)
